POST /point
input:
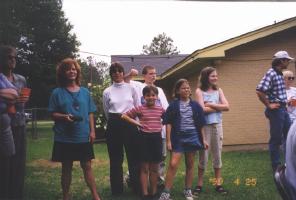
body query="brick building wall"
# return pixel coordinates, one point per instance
(239, 73)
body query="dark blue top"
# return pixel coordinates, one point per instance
(76, 103)
(172, 116)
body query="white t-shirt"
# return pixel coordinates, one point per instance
(162, 100)
(291, 94)
(119, 98)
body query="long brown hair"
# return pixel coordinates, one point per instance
(62, 67)
(204, 78)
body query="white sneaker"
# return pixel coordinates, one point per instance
(188, 194)
(165, 196)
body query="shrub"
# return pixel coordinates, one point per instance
(97, 95)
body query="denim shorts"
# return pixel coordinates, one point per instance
(186, 141)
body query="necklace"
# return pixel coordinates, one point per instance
(74, 96)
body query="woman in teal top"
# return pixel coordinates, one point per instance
(72, 108)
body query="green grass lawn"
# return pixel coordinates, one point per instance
(247, 175)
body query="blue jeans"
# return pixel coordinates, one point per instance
(280, 122)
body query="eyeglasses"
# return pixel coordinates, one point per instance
(115, 71)
(291, 78)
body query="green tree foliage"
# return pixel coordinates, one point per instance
(93, 72)
(95, 76)
(97, 94)
(41, 33)
(160, 45)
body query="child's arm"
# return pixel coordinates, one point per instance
(223, 105)
(130, 120)
(168, 136)
(200, 100)
(206, 145)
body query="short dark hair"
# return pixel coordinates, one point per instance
(204, 78)
(149, 88)
(177, 86)
(116, 66)
(146, 68)
(277, 61)
(4, 51)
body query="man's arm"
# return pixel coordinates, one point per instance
(262, 97)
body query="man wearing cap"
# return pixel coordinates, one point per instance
(272, 93)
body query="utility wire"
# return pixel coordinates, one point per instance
(94, 53)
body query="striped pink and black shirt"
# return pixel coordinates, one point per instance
(150, 117)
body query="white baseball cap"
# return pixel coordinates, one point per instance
(282, 54)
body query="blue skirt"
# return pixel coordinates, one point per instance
(186, 141)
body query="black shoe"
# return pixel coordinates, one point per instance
(146, 197)
(220, 189)
(197, 190)
(154, 196)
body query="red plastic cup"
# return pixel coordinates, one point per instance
(25, 92)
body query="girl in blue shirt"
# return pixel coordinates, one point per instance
(184, 120)
(214, 102)
(72, 108)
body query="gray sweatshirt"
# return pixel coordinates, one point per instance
(290, 173)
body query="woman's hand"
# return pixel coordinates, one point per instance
(273, 106)
(22, 99)
(68, 118)
(92, 137)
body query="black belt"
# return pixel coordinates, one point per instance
(114, 115)
(281, 103)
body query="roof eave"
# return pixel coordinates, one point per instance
(218, 50)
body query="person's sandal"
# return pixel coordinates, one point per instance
(220, 189)
(197, 190)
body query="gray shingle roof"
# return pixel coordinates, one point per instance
(161, 63)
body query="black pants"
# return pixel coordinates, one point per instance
(122, 136)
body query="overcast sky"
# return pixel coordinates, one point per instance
(123, 27)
